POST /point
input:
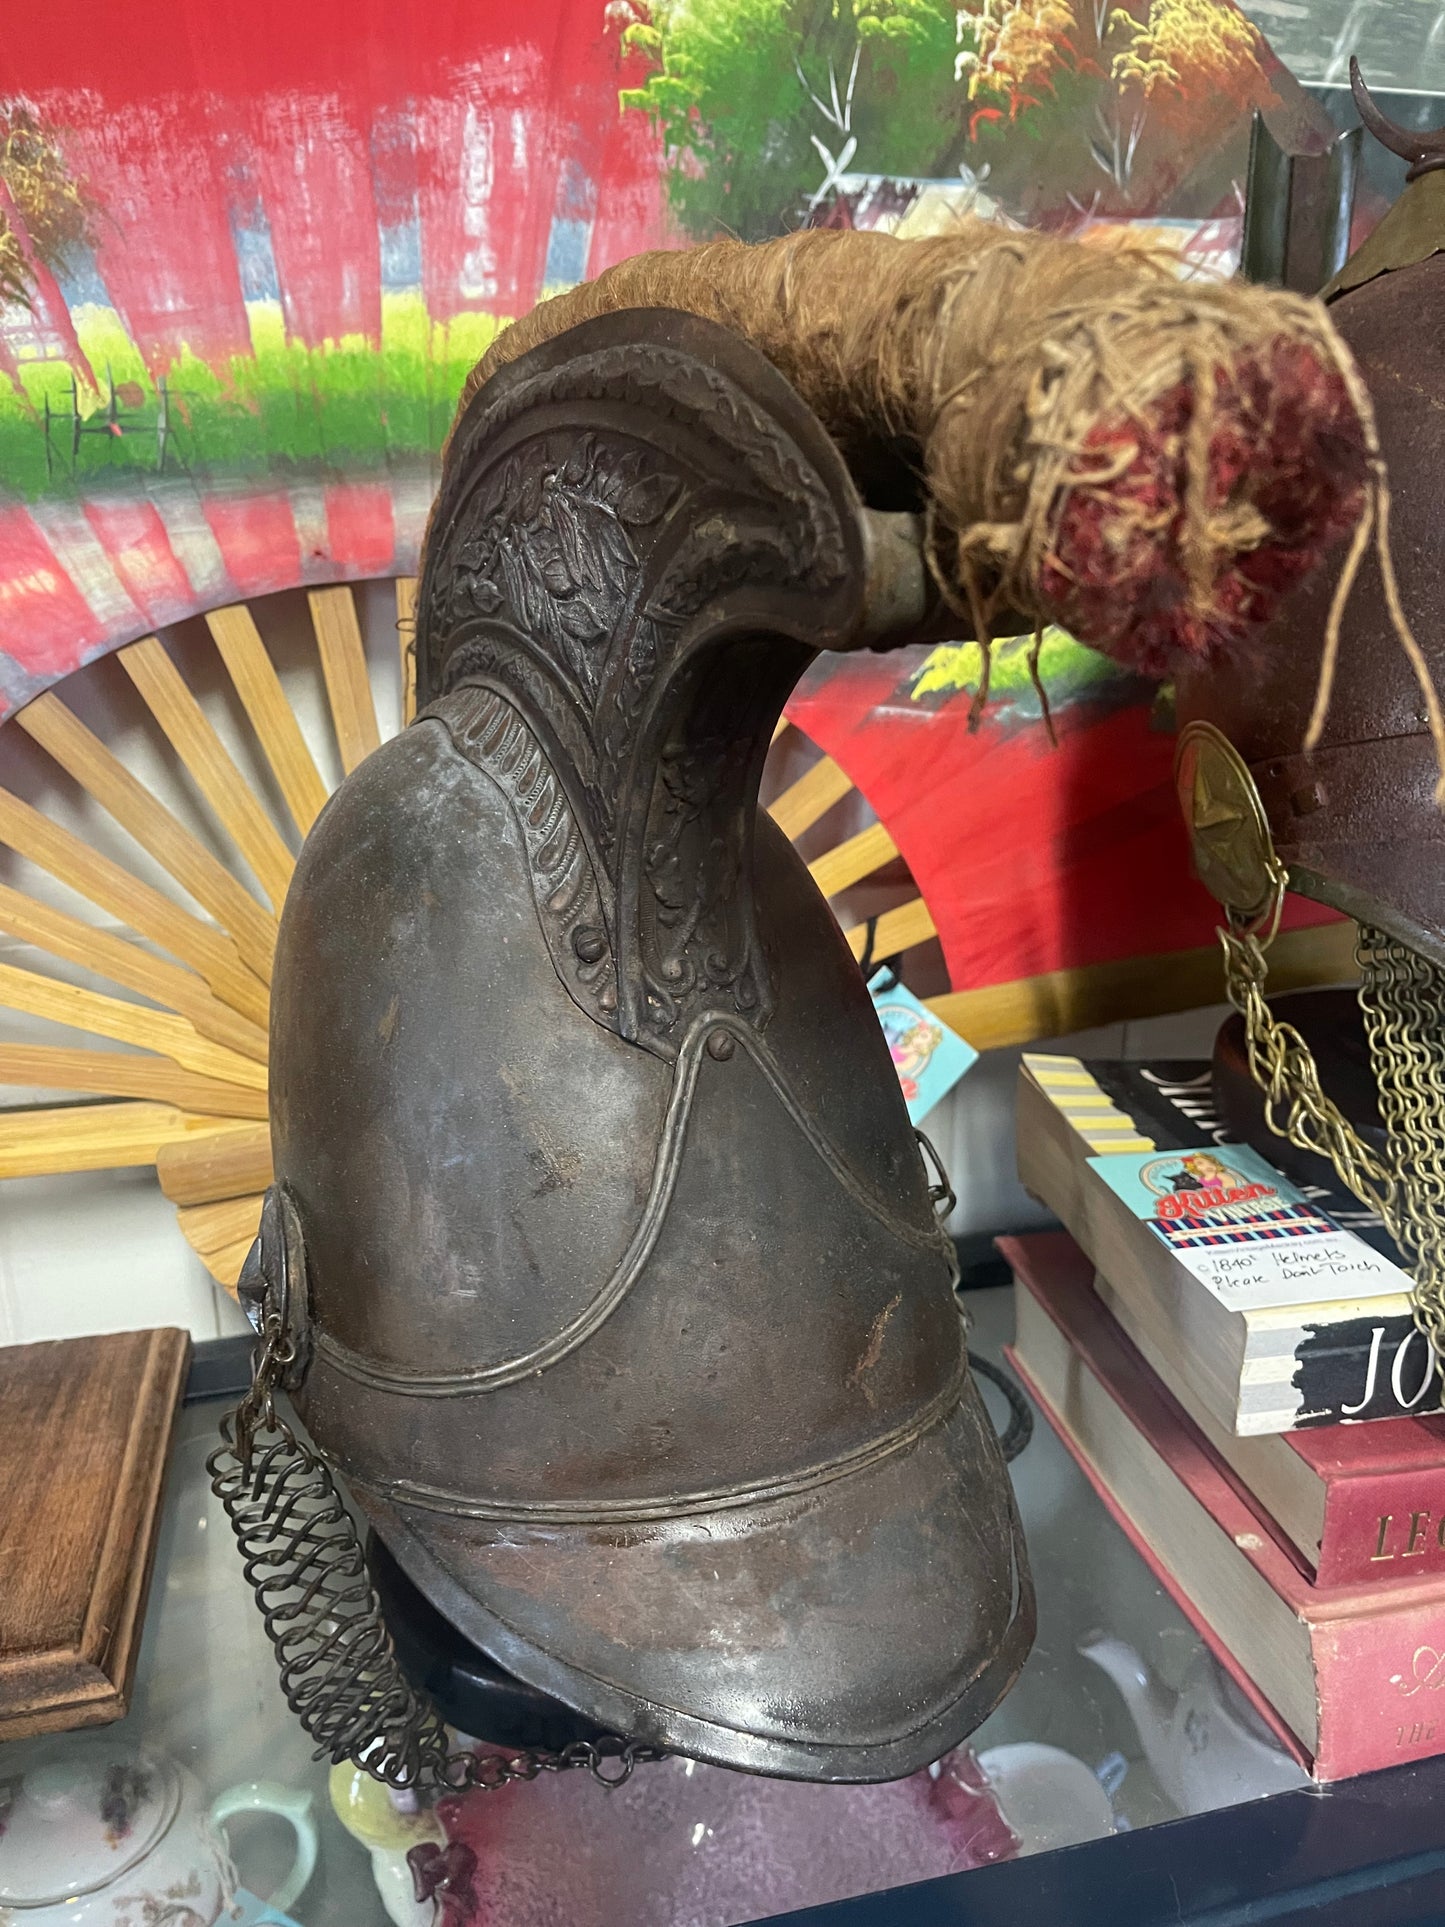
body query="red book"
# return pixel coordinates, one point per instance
(1382, 1488)
(1350, 1676)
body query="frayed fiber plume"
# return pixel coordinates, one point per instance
(1149, 463)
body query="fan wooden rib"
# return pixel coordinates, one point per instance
(94, 1137)
(115, 1073)
(206, 1171)
(225, 1265)
(849, 862)
(895, 931)
(211, 1228)
(406, 642)
(254, 677)
(813, 795)
(343, 664)
(208, 951)
(87, 760)
(193, 737)
(157, 1030)
(192, 1080)
(127, 964)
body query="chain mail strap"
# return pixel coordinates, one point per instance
(304, 1560)
(1283, 1067)
(1402, 997)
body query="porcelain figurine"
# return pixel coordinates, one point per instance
(1207, 1745)
(100, 1834)
(389, 1825)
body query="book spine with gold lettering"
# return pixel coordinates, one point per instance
(1384, 1526)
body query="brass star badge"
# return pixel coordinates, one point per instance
(1233, 855)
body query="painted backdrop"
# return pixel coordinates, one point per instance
(248, 253)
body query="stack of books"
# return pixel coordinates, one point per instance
(1232, 1360)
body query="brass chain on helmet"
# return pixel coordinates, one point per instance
(303, 1558)
(1402, 997)
(1282, 1065)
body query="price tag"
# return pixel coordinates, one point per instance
(928, 1056)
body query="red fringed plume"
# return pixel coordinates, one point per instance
(1287, 468)
(1148, 462)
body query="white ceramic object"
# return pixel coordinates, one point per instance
(97, 1834)
(381, 1822)
(1049, 1798)
(1206, 1744)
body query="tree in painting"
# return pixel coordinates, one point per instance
(1117, 107)
(764, 104)
(1067, 107)
(1176, 68)
(44, 215)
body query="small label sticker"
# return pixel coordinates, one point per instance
(1244, 1230)
(928, 1056)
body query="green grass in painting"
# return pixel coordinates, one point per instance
(349, 405)
(1066, 668)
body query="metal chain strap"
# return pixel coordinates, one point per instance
(1283, 1067)
(304, 1560)
(1020, 1428)
(1402, 997)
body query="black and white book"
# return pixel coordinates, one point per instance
(1268, 1305)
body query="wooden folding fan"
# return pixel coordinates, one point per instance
(187, 1092)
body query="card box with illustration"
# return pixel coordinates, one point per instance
(1255, 1299)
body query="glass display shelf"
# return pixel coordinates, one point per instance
(1079, 1751)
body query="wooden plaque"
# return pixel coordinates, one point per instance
(85, 1431)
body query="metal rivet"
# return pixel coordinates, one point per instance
(1304, 802)
(721, 1045)
(589, 944)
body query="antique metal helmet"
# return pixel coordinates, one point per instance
(1353, 822)
(609, 1270)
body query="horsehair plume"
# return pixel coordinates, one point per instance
(1149, 463)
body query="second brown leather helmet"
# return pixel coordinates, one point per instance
(1355, 822)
